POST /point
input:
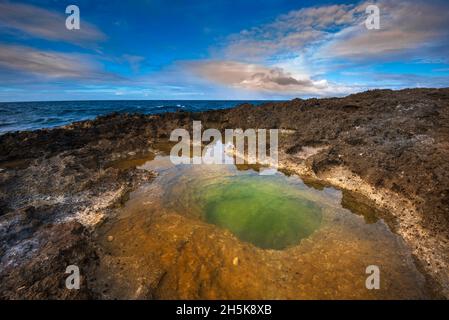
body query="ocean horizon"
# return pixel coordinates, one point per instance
(24, 116)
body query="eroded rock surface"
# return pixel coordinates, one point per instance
(58, 185)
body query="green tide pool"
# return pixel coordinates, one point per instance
(260, 210)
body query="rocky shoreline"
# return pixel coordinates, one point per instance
(58, 185)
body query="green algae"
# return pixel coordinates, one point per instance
(264, 212)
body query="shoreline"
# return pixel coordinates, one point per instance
(390, 146)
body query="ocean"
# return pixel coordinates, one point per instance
(19, 116)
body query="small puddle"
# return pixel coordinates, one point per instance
(132, 161)
(202, 231)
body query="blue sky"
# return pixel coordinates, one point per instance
(220, 49)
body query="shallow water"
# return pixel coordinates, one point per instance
(259, 210)
(203, 230)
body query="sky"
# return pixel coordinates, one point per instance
(219, 49)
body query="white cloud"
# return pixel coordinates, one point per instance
(45, 24)
(50, 64)
(259, 78)
(406, 27)
(290, 32)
